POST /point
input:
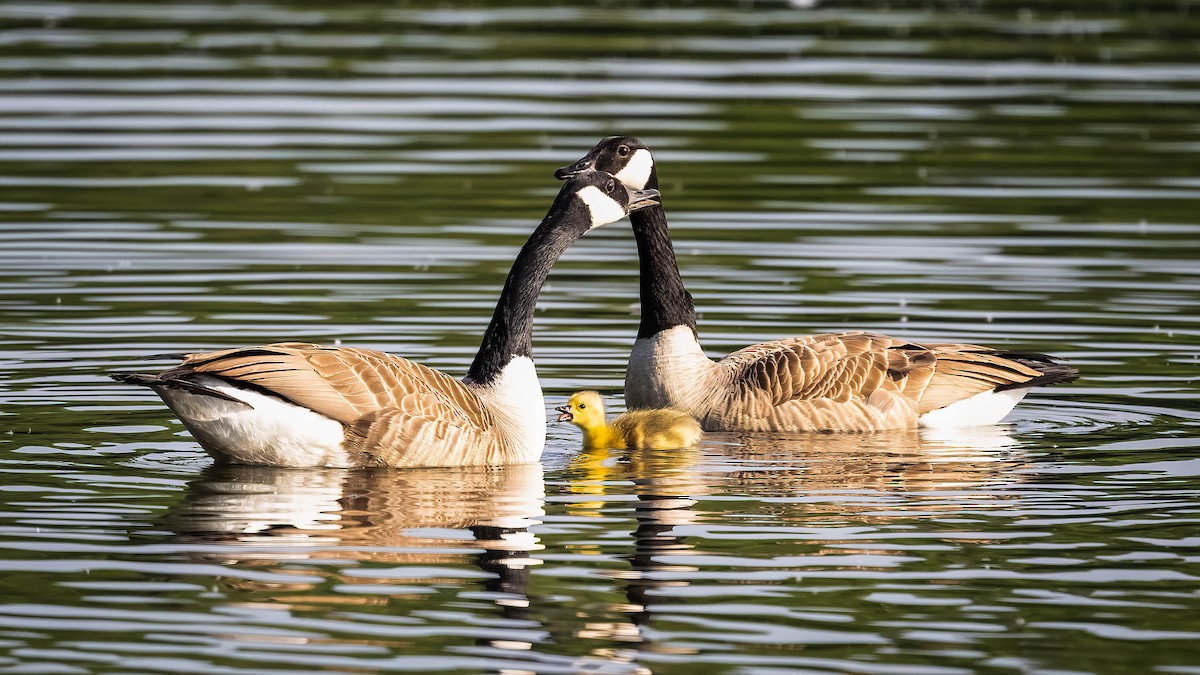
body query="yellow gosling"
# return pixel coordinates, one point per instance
(645, 429)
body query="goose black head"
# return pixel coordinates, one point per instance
(625, 157)
(603, 198)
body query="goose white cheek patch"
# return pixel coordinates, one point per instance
(637, 171)
(604, 209)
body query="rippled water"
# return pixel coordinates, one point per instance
(179, 177)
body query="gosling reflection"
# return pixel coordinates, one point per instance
(440, 518)
(668, 488)
(667, 485)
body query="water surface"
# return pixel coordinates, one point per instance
(184, 177)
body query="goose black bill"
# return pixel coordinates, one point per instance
(642, 198)
(569, 170)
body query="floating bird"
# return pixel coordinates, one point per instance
(661, 429)
(304, 405)
(855, 381)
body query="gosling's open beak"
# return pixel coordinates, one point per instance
(566, 415)
(640, 199)
(582, 165)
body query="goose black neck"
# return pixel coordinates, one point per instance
(665, 301)
(510, 334)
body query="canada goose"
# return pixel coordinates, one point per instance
(661, 429)
(855, 381)
(304, 405)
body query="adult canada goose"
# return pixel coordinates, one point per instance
(294, 405)
(661, 429)
(832, 382)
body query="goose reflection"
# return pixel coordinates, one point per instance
(798, 481)
(430, 519)
(847, 466)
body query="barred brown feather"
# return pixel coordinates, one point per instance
(396, 412)
(856, 382)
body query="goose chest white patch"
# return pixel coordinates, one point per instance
(515, 399)
(669, 370)
(636, 172)
(604, 209)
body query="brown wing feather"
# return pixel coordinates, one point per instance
(965, 370)
(842, 382)
(344, 383)
(394, 410)
(837, 367)
(825, 380)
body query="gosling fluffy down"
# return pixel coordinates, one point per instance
(661, 429)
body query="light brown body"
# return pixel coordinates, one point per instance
(394, 412)
(643, 429)
(829, 382)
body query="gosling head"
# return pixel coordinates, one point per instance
(585, 409)
(625, 157)
(602, 198)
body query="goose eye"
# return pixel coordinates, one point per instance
(582, 406)
(610, 186)
(623, 150)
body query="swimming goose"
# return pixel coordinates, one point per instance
(304, 405)
(662, 429)
(856, 381)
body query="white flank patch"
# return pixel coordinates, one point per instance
(604, 209)
(515, 398)
(669, 369)
(637, 170)
(270, 432)
(981, 409)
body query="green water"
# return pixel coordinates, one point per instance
(190, 176)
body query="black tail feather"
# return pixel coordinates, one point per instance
(154, 381)
(169, 356)
(137, 379)
(1050, 369)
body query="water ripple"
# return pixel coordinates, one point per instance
(188, 177)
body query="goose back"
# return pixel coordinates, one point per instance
(394, 412)
(863, 381)
(855, 381)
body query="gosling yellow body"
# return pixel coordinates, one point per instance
(660, 429)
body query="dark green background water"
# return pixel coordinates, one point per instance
(179, 177)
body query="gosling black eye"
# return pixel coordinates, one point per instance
(610, 186)
(623, 150)
(582, 406)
